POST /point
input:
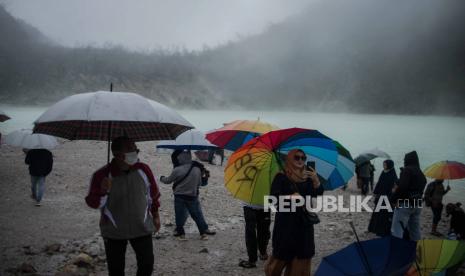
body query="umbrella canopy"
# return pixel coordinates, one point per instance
(24, 138)
(104, 115)
(382, 256)
(235, 134)
(436, 256)
(251, 169)
(344, 171)
(192, 140)
(446, 170)
(3, 116)
(370, 155)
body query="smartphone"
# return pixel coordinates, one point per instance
(311, 164)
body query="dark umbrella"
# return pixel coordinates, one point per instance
(3, 116)
(382, 256)
(370, 155)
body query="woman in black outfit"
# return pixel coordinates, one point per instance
(380, 222)
(293, 239)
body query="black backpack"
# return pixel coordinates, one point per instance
(204, 172)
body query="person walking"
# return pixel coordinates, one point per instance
(126, 193)
(40, 163)
(407, 197)
(293, 236)
(186, 179)
(434, 194)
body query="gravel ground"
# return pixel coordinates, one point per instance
(62, 237)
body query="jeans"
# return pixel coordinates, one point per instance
(257, 231)
(188, 205)
(406, 218)
(37, 187)
(116, 254)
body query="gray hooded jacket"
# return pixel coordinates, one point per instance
(189, 186)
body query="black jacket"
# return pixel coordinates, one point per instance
(40, 162)
(291, 237)
(412, 181)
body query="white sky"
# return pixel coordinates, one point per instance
(147, 24)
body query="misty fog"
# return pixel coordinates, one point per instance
(333, 56)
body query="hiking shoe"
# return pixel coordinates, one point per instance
(181, 238)
(209, 232)
(177, 234)
(247, 264)
(204, 237)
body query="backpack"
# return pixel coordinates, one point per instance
(204, 172)
(428, 197)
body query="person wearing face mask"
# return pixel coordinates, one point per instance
(126, 193)
(293, 238)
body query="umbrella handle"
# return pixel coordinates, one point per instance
(365, 259)
(109, 132)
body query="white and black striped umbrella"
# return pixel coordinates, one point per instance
(105, 115)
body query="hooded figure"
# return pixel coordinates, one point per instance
(380, 222)
(408, 197)
(174, 157)
(386, 180)
(412, 181)
(187, 178)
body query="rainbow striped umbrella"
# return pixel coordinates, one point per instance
(446, 170)
(235, 134)
(252, 168)
(437, 256)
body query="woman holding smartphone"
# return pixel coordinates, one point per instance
(293, 237)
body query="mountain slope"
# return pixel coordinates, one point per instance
(358, 55)
(384, 56)
(34, 70)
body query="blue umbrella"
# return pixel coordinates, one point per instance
(344, 170)
(381, 256)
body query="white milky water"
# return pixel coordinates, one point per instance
(435, 138)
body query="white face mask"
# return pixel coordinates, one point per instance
(131, 158)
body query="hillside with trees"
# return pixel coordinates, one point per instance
(336, 56)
